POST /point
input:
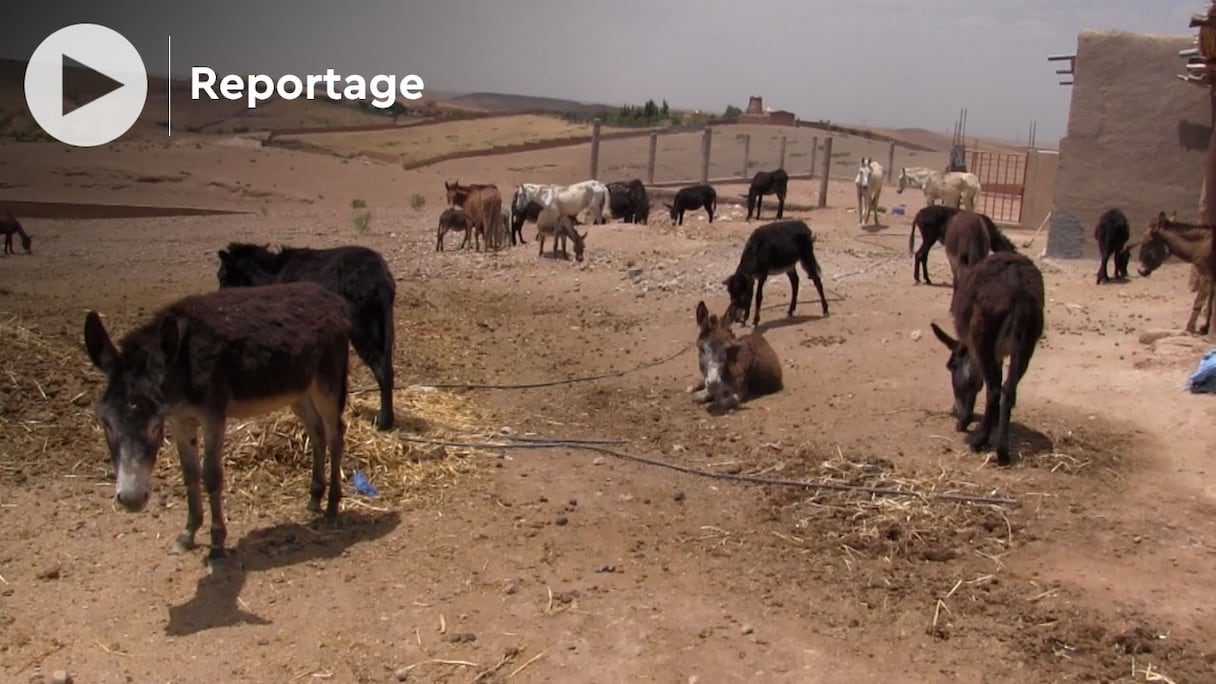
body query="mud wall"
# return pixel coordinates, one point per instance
(1136, 137)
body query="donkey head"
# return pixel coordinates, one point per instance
(246, 265)
(715, 347)
(740, 287)
(132, 408)
(965, 378)
(903, 180)
(864, 172)
(1153, 248)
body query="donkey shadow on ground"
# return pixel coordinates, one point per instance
(216, 602)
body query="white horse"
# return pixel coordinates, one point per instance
(869, 181)
(568, 200)
(957, 188)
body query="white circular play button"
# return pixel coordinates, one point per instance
(113, 91)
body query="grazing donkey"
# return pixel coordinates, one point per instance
(956, 188)
(693, 197)
(629, 201)
(9, 225)
(207, 358)
(1112, 233)
(360, 275)
(773, 248)
(998, 313)
(482, 203)
(452, 218)
(733, 369)
(766, 183)
(559, 229)
(931, 221)
(970, 237)
(1190, 242)
(869, 182)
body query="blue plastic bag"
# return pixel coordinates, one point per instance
(361, 484)
(1203, 380)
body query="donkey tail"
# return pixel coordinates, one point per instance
(809, 262)
(912, 236)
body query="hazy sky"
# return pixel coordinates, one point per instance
(881, 62)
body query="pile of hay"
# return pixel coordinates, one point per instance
(922, 526)
(48, 428)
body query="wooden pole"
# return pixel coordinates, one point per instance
(654, 148)
(781, 162)
(747, 153)
(827, 169)
(595, 149)
(814, 156)
(706, 139)
(891, 175)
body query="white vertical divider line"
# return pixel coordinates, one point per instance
(170, 84)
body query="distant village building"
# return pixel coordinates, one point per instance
(758, 113)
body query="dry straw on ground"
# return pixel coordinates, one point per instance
(914, 526)
(47, 425)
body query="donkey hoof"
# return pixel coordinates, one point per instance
(1003, 458)
(218, 560)
(314, 504)
(183, 544)
(977, 442)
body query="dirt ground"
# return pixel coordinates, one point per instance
(570, 565)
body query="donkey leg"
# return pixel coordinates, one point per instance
(1102, 272)
(329, 405)
(306, 411)
(922, 257)
(780, 206)
(185, 435)
(1201, 297)
(1009, 395)
(213, 481)
(990, 366)
(793, 275)
(759, 297)
(818, 282)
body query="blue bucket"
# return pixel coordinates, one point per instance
(898, 211)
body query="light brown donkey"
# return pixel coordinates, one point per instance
(733, 369)
(1190, 242)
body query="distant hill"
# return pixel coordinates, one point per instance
(505, 102)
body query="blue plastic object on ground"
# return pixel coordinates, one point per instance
(898, 211)
(1203, 380)
(361, 484)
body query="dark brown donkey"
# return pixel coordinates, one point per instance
(482, 205)
(9, 225)
(932, 222)
(733, 369)
(998, 313)
(1190, 242)
(232, 353)
(359, 274)
(971, 236)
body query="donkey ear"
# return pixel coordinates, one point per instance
(97, 342)
(171, 336)
(702, 313)
(224, 255)
(950, 342)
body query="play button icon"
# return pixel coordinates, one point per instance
(98, 103)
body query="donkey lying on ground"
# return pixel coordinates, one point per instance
(1112, 233)
(1190, 242)
(9, 225)
(970, 237)
(767, 183)
(771, 249)
(693, 197)
(225, 354)
(560, 229)
(360, 275)
(932, 224)
(869, 182)
(733, 370)
(452, 218)
(998, 313)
